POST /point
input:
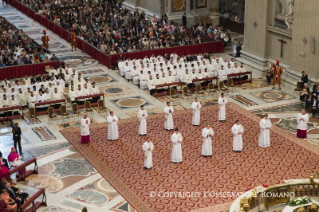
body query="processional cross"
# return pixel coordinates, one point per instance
(282, 42)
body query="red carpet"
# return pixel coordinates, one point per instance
(121, 162)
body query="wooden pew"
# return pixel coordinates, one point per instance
(7, 118)
(166, 85)
(48, 103)
(23, 167)
(241, 81)
(87, 97)
(34, 205)
(206, 79)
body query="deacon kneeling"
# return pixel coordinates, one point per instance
(85, 131)
(148, 156)
(207, 149)
(237, 130)
(177, 139)
(196, 106)
(142, 115)
(112, 129)
(264, 137)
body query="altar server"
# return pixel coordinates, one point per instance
(207, 134)
(142, 115)
(264, 137)
(148, 157)
(196, 106)
(222, 101)
(237, 131)
(112, 129)
(302, 120)
(177, 139)
(85, 130)
(168, 110)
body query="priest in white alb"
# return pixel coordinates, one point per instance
(207, 134)
(264, 136)
(142, 115)
(196, 106)
(148, 156)
(168, 110)
(112, 129)
(177, 139)
(237, 131)
(222, 101)
(302, 121)
(85, 131)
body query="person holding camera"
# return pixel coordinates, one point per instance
(16, 131)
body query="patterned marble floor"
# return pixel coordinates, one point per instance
(71, 182)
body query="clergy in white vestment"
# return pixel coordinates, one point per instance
(142, 115)
(207, 134)
(196, 106)
(264, 136)
(302, 120)
(32, 99)
(85, 130)
(177, 139)
(148, 156)
(222, 74)
(112, 129)
(237, 131)
(222, 101)
(168, 110)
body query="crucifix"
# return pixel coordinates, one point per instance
(282, 42)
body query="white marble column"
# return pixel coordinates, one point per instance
(214, 11)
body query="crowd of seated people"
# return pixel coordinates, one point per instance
(17, 48)
(45, 87)
(158, 70)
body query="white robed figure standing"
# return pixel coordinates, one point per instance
(148, 156)
(207, 134)
(112, 129)
(168, 110)
(196, 106)
(237, 131)
(222, 101)
(264, 136)
(177, 139)
(85, 130)
(302, 127)
(142, 115)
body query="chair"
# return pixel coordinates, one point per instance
(100, 106)
(298, 88)
(230, 84)
(199, 91)
(63, 112)
(32, 112)
(87, 107)
(222, 88)
(186, 93)
(172, 94)
(51, 114)
(75, 110)
(211, 90)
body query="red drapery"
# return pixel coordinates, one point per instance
(11, 72)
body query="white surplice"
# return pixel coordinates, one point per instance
(177, 139)
(238, 138)
(148, 155)
(196, 106)
(112, 129)
(142, 129)
(302, 124)
(207, 149)
(85, 130)
(222, 108)
(264, 136)
(168, 124)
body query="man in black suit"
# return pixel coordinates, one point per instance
(314, 106)
(16, 131)
(41, 77)
(13, 196)
(304, 78)
(184, 19)
(33, 79)
(4, 161)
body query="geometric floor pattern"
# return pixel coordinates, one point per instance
(121, 162)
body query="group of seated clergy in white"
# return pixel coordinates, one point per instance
(149, 72)
(47, 87)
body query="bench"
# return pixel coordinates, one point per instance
(34, 205)
(22, 167)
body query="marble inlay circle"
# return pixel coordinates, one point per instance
(130, 102)
(100, 79)
(114, 90)
(273, 95)
(104, 185)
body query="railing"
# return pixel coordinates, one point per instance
(35, 205)
(7, 118)
(49, 103)
(232, 25)
(23, 168)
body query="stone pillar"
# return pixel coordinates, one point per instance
(214, 11)
(130, 4)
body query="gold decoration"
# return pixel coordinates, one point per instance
(311, 178)
(178, 5)
(313, 206)
(301, 209)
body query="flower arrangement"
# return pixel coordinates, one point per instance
(300, 201)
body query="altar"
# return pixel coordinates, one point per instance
(293, 208)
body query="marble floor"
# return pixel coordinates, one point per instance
(70, 181)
